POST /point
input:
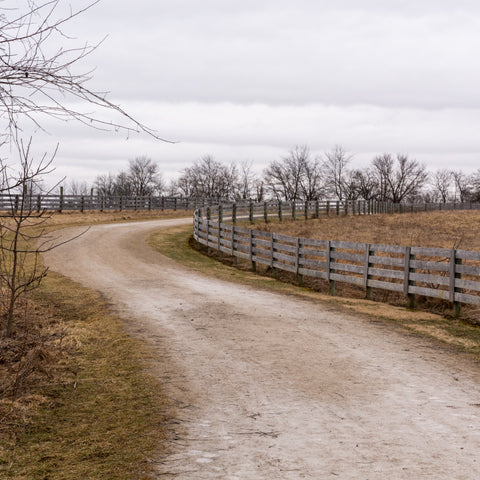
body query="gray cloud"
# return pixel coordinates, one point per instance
(247, 80)
(284, 52)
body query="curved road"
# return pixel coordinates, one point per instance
(273, 387)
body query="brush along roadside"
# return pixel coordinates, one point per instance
(178, 244)
(75, 398)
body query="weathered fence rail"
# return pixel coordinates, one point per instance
(301, 209)
(60, 203)
(452, 275)
(298, 209)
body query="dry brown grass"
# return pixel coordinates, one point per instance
(75, 401)
(452, 229)
(96, 217)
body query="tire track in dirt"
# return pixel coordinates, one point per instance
(274, 387)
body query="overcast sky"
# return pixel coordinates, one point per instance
(250, 79)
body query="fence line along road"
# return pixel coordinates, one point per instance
(297, 209)
(452, 275)
(60, 203)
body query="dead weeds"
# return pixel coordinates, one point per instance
(75, 401)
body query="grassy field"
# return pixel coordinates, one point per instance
(75, 398)
(442, 229)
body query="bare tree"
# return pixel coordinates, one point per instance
(172, 188)
(23, 236)
(246, 181)
(208, 178)
(463, 186)
(382, 168)
(282, 177)
(441, 183)
(365, 183)
(259, 190)
(76, 187)
(335, 168)
(144, 177)
(400, 179)
(474, 179)
(294, 177)
(311, 180)
(37, 75)
(123, 185)
(105, 185)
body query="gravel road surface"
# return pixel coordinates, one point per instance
(273, 387)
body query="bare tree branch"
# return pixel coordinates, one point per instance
(36, 82)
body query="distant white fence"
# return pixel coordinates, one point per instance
(452, 275)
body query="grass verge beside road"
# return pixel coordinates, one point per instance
(98, 414)
(76, 400)
(463, 336)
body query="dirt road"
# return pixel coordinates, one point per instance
(273, 387)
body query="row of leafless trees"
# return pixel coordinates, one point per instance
(298, 176)
(142, 178)
(395, 178)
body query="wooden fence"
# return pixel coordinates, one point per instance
(313, 209)
(297, 209)
(452, 275)
(60, 203)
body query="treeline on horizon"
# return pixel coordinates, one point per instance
(296, 176)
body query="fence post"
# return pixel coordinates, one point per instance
(454, 261)
(251, 246)
(265, 212)
(280, 210)
(234, 213)
(233, 244)
(219, 237)
(306, 210)
(317, 209)
(39, 203)
(272, 255)
(294, 210)
(331, 283)
(406, 277)
(250, 214)
(208, 236)
(366, 276)
(299, 246)
(327, 209)
(220, 213)
(82, 204)
(60, 206)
